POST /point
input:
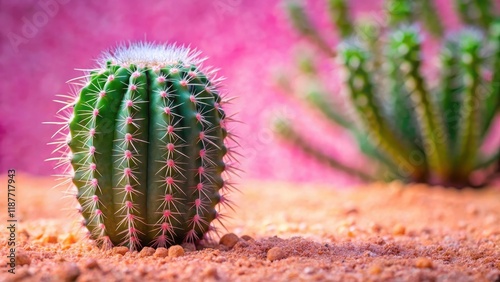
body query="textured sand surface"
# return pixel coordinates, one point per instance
(293, 233)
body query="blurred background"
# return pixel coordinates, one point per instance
(43, 41)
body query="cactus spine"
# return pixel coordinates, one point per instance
(147, 140)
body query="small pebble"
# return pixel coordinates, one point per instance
(121, 250)
(25, 233)
(210, 272)
(175, 251)
(68, 272)
(189, 247)
(69, 240)
(247, 238)
(375, 269)
(472, 210)
(146, 252)
(308, 270)
(161, 253)
(49, 239)
(375, 228)
(91, 264)
(229, 240)
(22, 259)
(275, 253)
(423, 263)
(351, 232)
(351, 210)
(399, 230)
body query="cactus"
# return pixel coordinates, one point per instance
(416, 128)
(148, 147)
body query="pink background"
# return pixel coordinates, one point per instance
(248, 40)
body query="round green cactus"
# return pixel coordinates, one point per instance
(147, 147)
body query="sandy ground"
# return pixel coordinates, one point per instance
(381, 232)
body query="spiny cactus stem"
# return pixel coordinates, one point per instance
(361, 91)
(399, 12)
(484, 8)
(303, 24)
(316, 97)
(400, 105)
(465, 10)
(492, 101)
(290, 135)
(429, 121)
(452, 87)
(428, 13)
(339, 14)
(469, 134)
(475, 13)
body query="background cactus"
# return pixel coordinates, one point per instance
(417, 127)
(148, 147)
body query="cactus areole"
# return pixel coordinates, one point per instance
(147, 147)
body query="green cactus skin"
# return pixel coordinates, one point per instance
(493, 97)
(304, 25)
(469, 134)
(417, 124)
(407, 48)
(399, 102)
(475, 12)
(147, 140)
(284, 128)
(368, 107)
(339, 14)
(399, 12)
(427, 12)
(451, 87)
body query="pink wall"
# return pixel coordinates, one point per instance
(248, 40)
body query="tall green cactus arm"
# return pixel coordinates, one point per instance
(427, 12)
(315, 94)
(305, 27)
(486, 12)
(318, 98)
(466, 10)
(406, 44)
(369, 31)
(477, 12)
(147, 147)
(289, 134)
(469, 133)
(492, 101)
(339, 14)
(359, 83)
(400, 107)
(313, 91)
(451, 89)
(399, 12)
